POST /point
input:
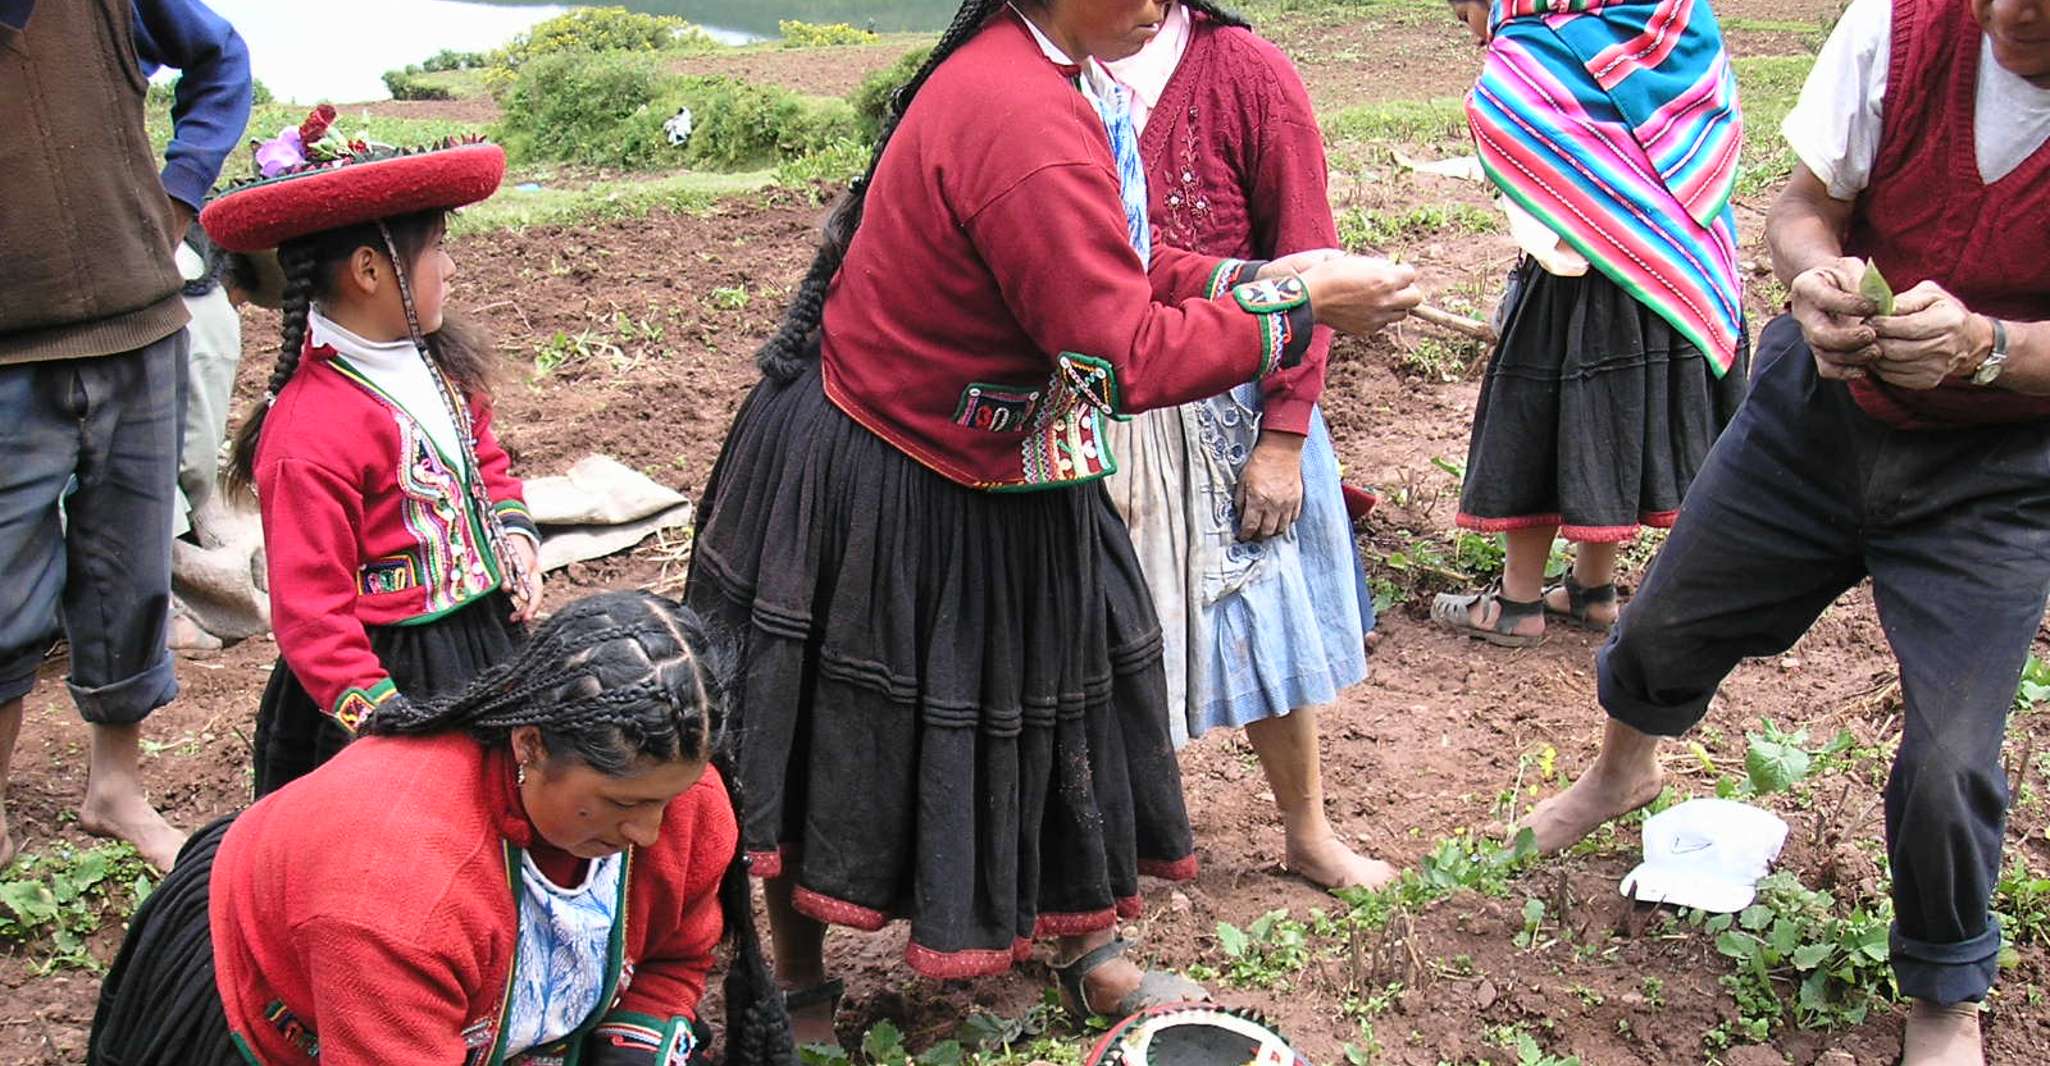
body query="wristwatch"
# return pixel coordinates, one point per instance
(1996, 361)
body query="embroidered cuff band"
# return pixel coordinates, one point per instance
(514, 515)
(1283, 308)
(1230, 274)
(626, 1037)
(357, 704)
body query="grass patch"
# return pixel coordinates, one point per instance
(605, 201)
(1768, 87)
(1431, 121)
(822, 35)
(1363, 230)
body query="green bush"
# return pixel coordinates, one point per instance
(450, 59)
(568, 108)
(609, 111)
(602, 29)
(407, 84)
(836, 163)
(872, 97)
(737, 125)
(821, 35)
(586, 30)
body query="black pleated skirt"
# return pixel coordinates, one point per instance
(952, 707)
(159, 1005)
(294, 735)
(1595, 413)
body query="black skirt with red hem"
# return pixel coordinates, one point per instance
(952, 707)
(1595, 413)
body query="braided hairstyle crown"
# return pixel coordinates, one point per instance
(795, 344)
(616, 680)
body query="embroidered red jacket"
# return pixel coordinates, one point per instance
(1235, 167)
(991, 311)
(366, 915)
(365, 522)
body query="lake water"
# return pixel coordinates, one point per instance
(322, 51)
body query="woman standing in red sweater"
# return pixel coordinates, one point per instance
(954, 709)
(537, 870)
(1234, 500)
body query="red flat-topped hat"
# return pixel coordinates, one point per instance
(310, 180)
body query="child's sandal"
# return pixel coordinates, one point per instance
(1454, 611)
(1578, 599)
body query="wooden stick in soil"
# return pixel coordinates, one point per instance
(1472, 327)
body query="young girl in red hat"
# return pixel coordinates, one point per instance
(402, 559)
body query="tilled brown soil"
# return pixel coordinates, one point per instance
(645, 330)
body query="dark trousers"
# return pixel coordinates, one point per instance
(1802, 497)
(90, 451)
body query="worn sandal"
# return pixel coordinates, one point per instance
(1156, 987)
(1578, 599)
(1453, 610)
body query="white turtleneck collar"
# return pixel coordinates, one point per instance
(398, 371)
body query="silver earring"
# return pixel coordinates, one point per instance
(520, 775)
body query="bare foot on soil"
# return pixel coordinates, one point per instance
(1328, 863)
(1606, 791)
(7, 845)
(1942, 1036)
(128, 816)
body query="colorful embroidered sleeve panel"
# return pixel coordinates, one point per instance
(1616, 123)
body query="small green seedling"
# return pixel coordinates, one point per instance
(1873, 287)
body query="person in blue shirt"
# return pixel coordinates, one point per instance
(92, 336)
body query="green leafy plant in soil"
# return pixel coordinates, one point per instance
(1801, 957)
(52, 902)
(984, 1039)
(1266, 953)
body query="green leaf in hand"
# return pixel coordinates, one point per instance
(1873, 287)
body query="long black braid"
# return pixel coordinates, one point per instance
(612, 680)
(302, 280)
(795, 343)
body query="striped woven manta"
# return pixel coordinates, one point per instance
(1615, 122)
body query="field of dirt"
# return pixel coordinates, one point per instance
(634, 339)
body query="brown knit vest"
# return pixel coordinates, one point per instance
(85, 246)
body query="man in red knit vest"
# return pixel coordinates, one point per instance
(1910, 447)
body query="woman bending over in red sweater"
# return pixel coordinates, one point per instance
(536, 870)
